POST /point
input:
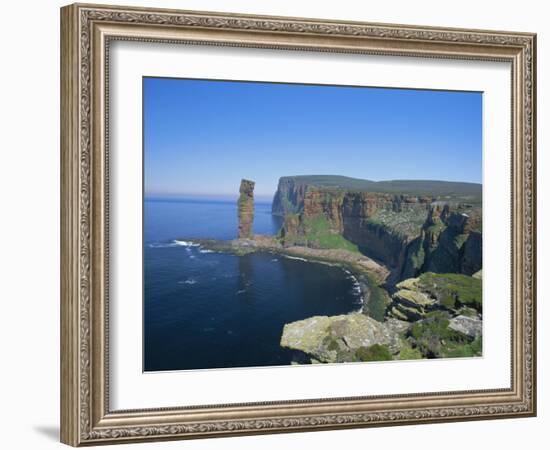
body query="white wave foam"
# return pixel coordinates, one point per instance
(188, 281)
(205, 250)
(174, 243)
(160, 245)
(357, 290)
(185, 243)
(296, 257)
(312, 260)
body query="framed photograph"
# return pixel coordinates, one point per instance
(275, 224)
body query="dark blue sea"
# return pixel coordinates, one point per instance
(205, 310)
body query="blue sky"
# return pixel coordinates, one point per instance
(201, 137)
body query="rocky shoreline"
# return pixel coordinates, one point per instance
(369, 274)
(432, 316)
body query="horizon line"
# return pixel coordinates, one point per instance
(235, 194)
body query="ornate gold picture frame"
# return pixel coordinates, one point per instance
(87, 32)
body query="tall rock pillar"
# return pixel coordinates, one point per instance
(246, 208)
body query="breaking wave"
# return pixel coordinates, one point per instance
(185, 243)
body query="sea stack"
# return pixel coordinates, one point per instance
(246, 209)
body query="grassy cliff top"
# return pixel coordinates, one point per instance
(444, 190)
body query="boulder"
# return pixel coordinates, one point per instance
(409, 302)
(306, 335)
(414, 298)
(338, 338)
(469, 326)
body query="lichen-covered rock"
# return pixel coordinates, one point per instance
(455, 293)
(246, 208)
(306, 335)
(414, 298)
(470, 326)
(339, 338)
(407, 312)
(395, 312)
(397, 326)
(409, 283)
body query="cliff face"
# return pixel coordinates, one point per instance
(411, 234)
(289, 197)
(246, 208)
(383, 225)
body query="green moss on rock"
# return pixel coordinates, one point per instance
(463, 289)
(434, 339)
(458, 350)
(407, 352)
(375, 352)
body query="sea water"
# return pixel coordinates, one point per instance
(205, 310)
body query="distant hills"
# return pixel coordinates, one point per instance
(471, 192)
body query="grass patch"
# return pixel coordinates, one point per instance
(318, 234)
(452, 288)
(457, 350)
(378, 300)
(374, 352)
(408, 352)
(448, 301)
(434, 339)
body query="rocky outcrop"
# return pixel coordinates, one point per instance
(410, 234)
(350, 337)
(469, 326)
(450, 242)
(246, 209)
(455, 294)
(356, 337)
